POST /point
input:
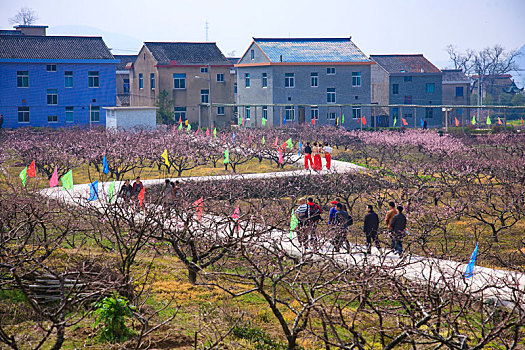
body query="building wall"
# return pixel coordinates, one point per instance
(303, 95)
(417, 90)
(380, 89)
(145, 65)
(259, 56)
(126, 118)
(80, 96)
(450, 98)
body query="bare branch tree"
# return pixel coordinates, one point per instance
(26, 16)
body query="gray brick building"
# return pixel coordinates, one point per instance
(406, 80)
(308, 78)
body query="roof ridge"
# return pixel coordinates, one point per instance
(305, 39)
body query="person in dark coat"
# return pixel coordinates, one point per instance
(341, 221)
(308, 156)
(370, 228)
(399, 227)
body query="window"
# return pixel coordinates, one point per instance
(265, 112)
(68, 79)
(395, 112)
(179, 81)
(95, 114)
(356, 112)
(152, 81)
(289, 112)
(125, 85)
(248, 112)
(220, 77)
(234, 88)
(52, 118)
(93, 80)
(429, 112)
(52, 97)
(429, 88)
(220, 110)
(314, 79)
(289, 80)
(314, 113)
(332, 116)
(356, 79)
(395, 89)
(180, 113)
(408, 100)
(141, 81)
(330, 95)
(460, 112)
(51, 67)
(330, 71)
(22, 78)
(252, 54)
(23, 114)
(408, 115)
(205, 96)
(204, 69)
(459, 91)
(70, 115)
(407, 78)
(247, 79)
(265, 80)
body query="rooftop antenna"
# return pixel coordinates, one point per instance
(207, 27)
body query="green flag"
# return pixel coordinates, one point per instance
(111, 191)
(488, 120)
(226, 156)
(180, 126)
(23, 176)
(263, 121)
(289, 143)
(473, 120)
(67, 180)
(188, 128)
(395, 121)
(293, 223)
(343, 119)
(215, 132)
(263, 140)
(240, 121)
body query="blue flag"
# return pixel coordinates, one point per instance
(284, 120)
(105, 167)
(422, 123)
(300, 147)
(93, 191)
(234, 138)
(470, 267)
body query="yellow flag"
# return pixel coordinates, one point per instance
(165, 156)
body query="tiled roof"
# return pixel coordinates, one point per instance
(124, 59)
(405, 63)
(187, 53)
(233, 60)
(311, 50)
(455, 75)
(53, 47)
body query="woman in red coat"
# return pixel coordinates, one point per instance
(318, 165)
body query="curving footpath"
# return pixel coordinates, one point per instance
(500, 286)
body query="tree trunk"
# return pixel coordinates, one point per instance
(291, 342)
(192, 275)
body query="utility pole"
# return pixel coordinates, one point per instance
(207, 28)
(89, 116)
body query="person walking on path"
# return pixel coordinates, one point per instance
(308, 156)
(314, 216)
(318, 165)
(126, 192)
(302, 215)
(331, 213)
(167, 194)
(177, 193)
(328, 155)
(370, 228)
(399, 229)
(390, 215)
(137, 187)
(342, 221)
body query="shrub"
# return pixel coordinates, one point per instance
(112, 312)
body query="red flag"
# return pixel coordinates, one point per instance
(31, 171)
(207, 131)
(281, 160)
(521, 121)
(198, 205)
(54, 179)
(313, 121)
(198, 129)
(363, 120)
(404, 121)
(457, 121)
(499, 122)
(250, 139)
(141, 196)
(242, 121)
(276, 142)
(174, 128)
(283, 146)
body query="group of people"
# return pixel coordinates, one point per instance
(309, 216)
(130, 192)
(170, 193)
(316, 150)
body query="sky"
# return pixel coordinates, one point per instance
(376, 26)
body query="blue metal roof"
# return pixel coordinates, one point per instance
(311, 50)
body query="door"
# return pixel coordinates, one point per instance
(301, 115)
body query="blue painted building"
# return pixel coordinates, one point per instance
(299, 79)
(53, 81)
